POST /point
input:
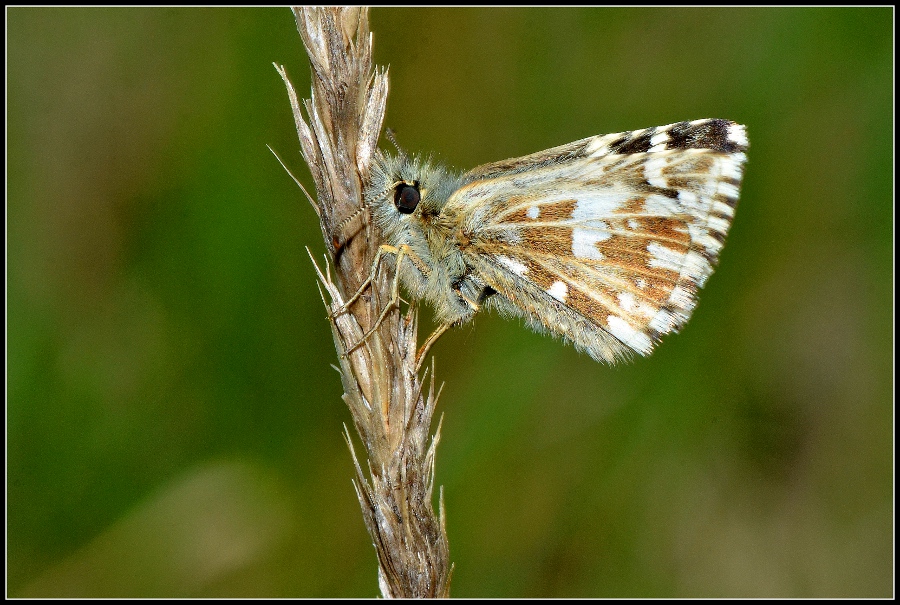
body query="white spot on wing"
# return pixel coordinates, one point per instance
(658, 141)
(731, 166)
(584, 242)
(653, 171)
(627, 302)
(697, 267)
(630, 304)
(737, 134)
(513, 265)
(533, 212)
(700, 236)
(718, 224)
(682, 298)
(558, 290)
(727, 189)
(665, 258)
(688, 198)
(660, 205)
(622, 330)
(662, 322)
(599, 146)
(723, 208)
(596, 204)
(660, 138)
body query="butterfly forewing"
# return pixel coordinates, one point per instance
(605, 241)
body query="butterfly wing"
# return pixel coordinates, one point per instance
(605, 241)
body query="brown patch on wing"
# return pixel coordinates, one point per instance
(634, 205)
(679, 182)
(630, 255)
(701, 163)
(667, 230)
(654, 290)
(610, 278)
(538, 274)
(725, 199)
(557, 211)
(588, 307)
(551, 241)
(547, 252)
(596, 297)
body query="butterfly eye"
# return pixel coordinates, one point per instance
(406, 198)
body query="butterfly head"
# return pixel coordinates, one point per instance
(407, 192)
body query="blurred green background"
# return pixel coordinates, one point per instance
(173, 422)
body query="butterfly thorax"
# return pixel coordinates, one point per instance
(433, 236)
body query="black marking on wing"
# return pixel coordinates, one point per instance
(711, 134)
(628, 144)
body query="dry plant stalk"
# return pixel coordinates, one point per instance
(381, 387)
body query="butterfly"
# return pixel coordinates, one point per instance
(603, 242)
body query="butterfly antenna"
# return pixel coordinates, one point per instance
(389, 133)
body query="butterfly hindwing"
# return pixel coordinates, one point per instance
(605, 241)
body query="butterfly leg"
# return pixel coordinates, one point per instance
(401, 252)
(382, 250)
(423, 350)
